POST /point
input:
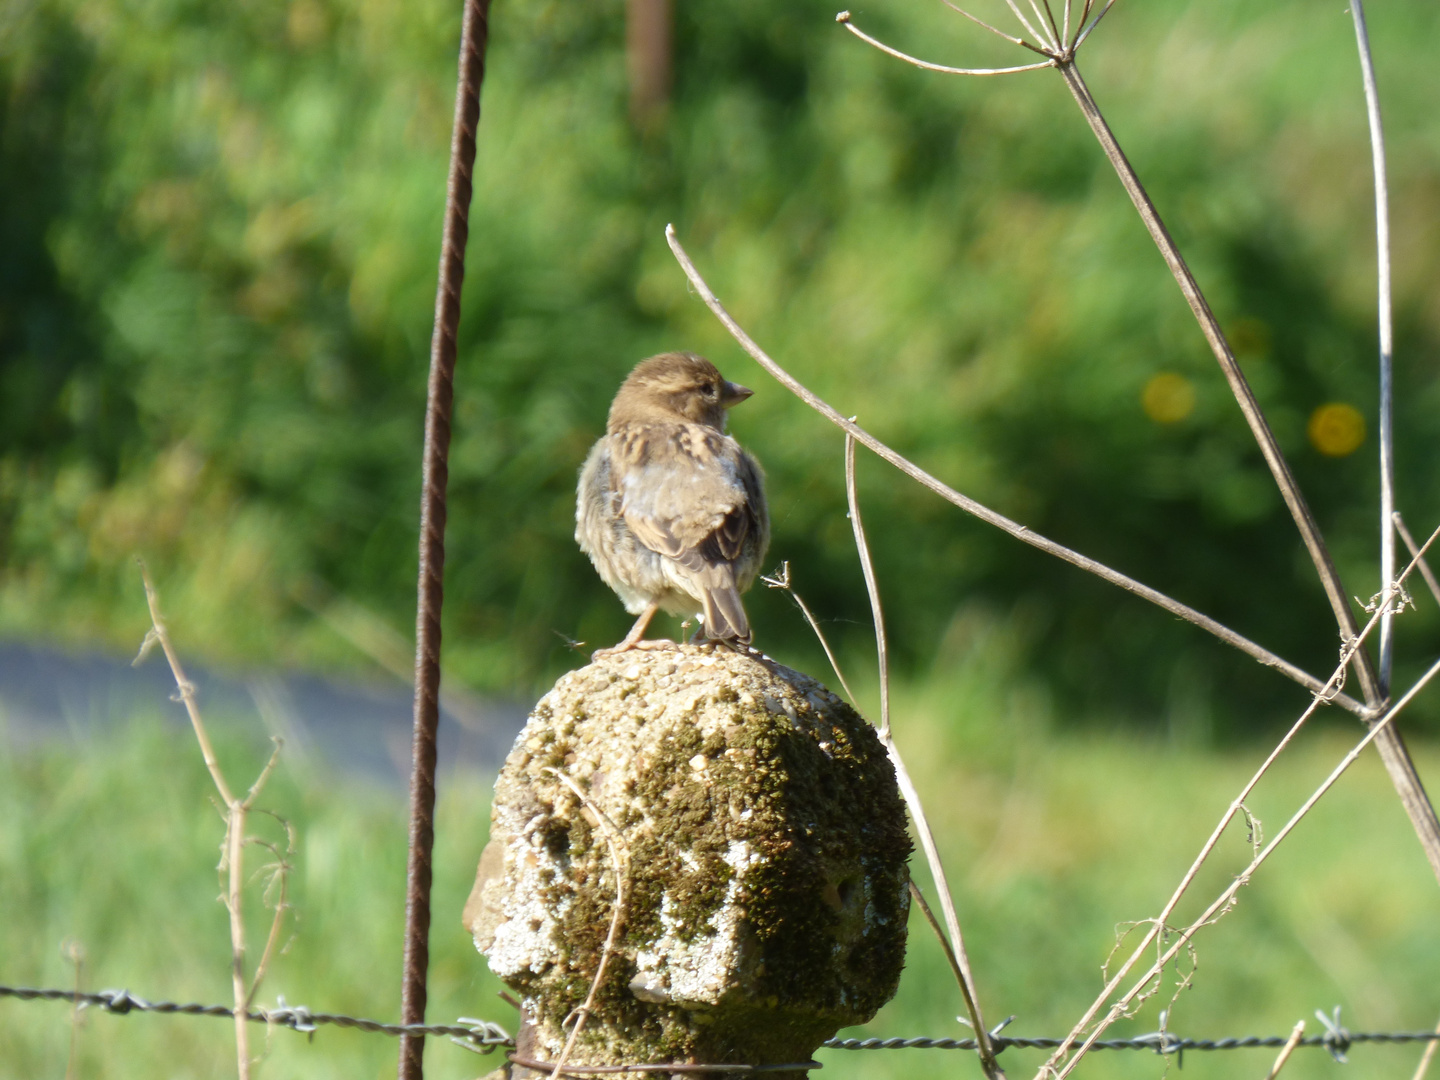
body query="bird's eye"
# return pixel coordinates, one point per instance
(709, 390)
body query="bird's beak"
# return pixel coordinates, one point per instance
(734, 393)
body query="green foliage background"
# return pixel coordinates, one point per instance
(218, 235)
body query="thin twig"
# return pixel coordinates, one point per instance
(983, 1044)
(1085, 33)
(781, 580)
(73, 951)
(1224, 899)
(1425, 570)
(1427, 1057)
(1236, 806)
(440, 393)
(232, 859)
(1387, 337)
(912, 797)
(159, 635)
(994, 30)
(1047, 17)
(960, 968)
(280, 870)
(844, 20)
(1287, 1050)
(1391, 746)
(984, 513)
(255, 788)
(1015, 9)
(234, 866)
(1210, 326)
(620, 858)
(951, 958)
(871, 586)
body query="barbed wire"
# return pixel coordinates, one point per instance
(481, 1033)
(484, 1036)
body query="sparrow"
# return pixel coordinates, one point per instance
(669, 508)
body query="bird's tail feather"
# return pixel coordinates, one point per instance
(724, 614)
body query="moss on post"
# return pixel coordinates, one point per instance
(766, 863)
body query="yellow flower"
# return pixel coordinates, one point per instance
(1168, 398)
(1336, 429)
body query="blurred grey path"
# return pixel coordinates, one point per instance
(361, 727)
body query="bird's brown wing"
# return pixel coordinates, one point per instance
(684, 493)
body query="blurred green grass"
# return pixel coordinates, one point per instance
(217, 253)
(1052, 838)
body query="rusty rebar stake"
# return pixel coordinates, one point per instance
(440, 397)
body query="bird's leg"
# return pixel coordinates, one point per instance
(632, 639)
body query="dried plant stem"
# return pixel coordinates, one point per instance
(781, 580)
(955, 966)
(1427, 1057)
(281, 906)
(1086, 32)
(1184, 937)
(1235, 807)
(955, 949)
(984, 513)
(872, 587)
(1387, 334)
(956, 945)
(73, 951)
(159, 635)
(1210, 327)
(232, 862)
(1391, 746)
(979, 22)
(1160, 921)
(1046, 19)
(844, 20)
(1425, 570)
(620, 860)
(1287, 1050)
(234, 902)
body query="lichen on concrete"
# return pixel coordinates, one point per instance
(766, 862)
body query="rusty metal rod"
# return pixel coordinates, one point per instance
(440, 396)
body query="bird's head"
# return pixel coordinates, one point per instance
(676, 386)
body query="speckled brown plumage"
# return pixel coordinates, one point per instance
(670, 509)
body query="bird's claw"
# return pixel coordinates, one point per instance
(624, 647)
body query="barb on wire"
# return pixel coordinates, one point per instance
(1338, 1036)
